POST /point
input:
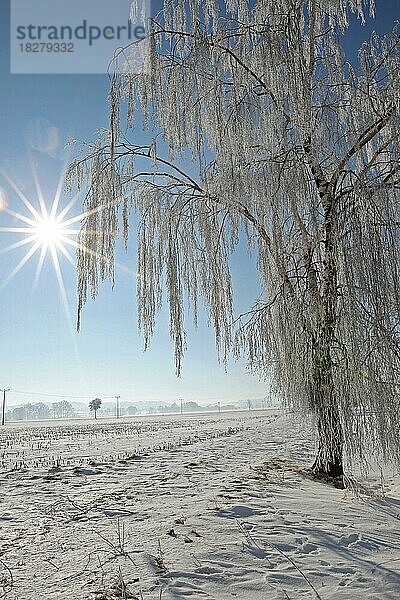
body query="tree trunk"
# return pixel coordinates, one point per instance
(329, 459)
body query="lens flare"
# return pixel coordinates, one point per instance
(3, 200)
(43, 137)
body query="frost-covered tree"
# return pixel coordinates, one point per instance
(296, 149)
(95, 405)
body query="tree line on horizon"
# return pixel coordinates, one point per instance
(65, 410)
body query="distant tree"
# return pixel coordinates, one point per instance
(29, 411)
(42, 410)
(62, 410)
(19, 413)
(298, 150)
(132, 410)
(67, 410)
(94, 405)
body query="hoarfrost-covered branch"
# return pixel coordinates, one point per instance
(297, 150)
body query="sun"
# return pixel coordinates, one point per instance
(45, 228)
(50, 232)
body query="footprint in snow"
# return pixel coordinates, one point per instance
(349, 540)
(239, 511)
(307, 548)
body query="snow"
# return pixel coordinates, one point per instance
(188, 507)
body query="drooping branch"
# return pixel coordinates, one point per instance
(295, 153)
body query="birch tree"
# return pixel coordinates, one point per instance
(263, 129)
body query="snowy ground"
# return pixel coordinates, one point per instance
(189, 507)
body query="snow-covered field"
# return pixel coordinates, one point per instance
(192, 507)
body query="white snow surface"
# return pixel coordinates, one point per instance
(188, 507)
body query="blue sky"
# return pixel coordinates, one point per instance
(40, 348)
